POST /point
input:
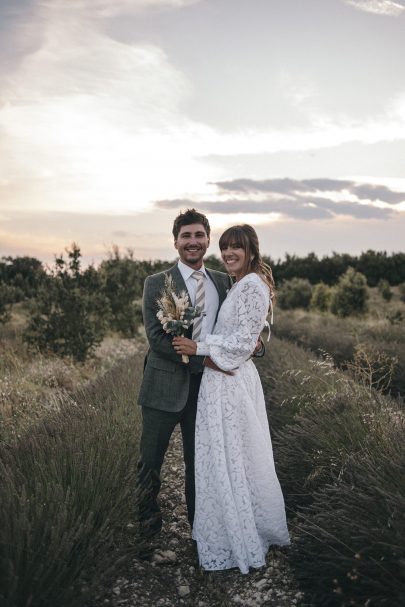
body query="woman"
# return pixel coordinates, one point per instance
(239, 504)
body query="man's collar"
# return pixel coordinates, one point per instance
(186, 271)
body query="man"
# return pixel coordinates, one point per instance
(169, 389)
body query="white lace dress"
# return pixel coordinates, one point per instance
(239, 504)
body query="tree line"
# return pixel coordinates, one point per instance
(25, 275)
(71, 307)
(375, 265)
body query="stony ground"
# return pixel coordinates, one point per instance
(173, 576)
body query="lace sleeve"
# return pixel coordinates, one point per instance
(229, 351)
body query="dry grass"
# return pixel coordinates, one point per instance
(341, 338)
(68, 491)
(32, 384)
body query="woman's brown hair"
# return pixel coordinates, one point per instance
(245, 236)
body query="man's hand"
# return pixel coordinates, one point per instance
(183, 345)
(208, 362)
(259, 350)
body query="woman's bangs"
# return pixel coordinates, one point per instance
(232, 237)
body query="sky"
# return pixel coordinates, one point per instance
(117, 114)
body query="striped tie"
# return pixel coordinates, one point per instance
(199, 301)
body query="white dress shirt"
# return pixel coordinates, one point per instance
(211, 296)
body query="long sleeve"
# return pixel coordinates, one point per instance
(230, 350)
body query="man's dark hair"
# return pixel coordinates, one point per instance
(187, 218)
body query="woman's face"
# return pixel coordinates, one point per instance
(234, 258)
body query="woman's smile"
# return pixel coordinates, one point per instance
(234, 258)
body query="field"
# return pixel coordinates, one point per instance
(70, 435)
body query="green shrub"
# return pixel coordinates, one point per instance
(384, 289)
(401, 289)
(321, 297)
(350, 294)
(294, 293)
(340, 455)
(69, 315)
(314, 450)
(67, 490)
(350, 546)
(122, 280)
(5, 302)
(23, 274)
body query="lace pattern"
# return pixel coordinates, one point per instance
(239, 504)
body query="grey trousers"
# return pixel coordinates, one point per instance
(157, 428)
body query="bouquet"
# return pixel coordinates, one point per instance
(175, 312)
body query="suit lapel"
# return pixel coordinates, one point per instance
(180, 285)
(178, 280)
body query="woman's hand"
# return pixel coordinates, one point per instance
(183, 345)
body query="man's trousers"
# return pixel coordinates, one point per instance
(157, 428)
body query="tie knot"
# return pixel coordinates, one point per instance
(197, 275)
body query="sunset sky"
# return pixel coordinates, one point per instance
(116, 114)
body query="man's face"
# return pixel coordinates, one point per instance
(192, 243)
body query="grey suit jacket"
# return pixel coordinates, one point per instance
(166, 379)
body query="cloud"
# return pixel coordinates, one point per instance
(109, 8)
(378, 7)
(378, 192)
(285, 185)
(293, 209)
(305, 199)
(364, 191)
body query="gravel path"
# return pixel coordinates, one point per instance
(173, 576)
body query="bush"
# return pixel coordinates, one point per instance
(67, 491)
(401, 289)
(122, 283)
(350, 548)
(339, 453)
(371, 367)
(384, 289)
(6, 297)
(294, 293)
(69, 316)
(24, 274)
(315, 449)
(321, 297)
(350, 294)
